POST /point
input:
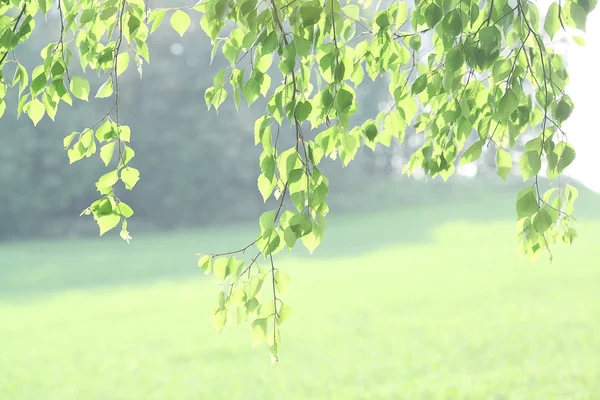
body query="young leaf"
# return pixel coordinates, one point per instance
(284, 313)
(106, 152)
(108, 222)
(433, 15)
(36, 111)
(259, 331)
(108, 179)
(508, 103)
(80, 87)
(220, 268)
(527, 202)
(530, 164)
(563, 109)
(267, 223)
(473, 153)
(420, 84)
(219, 319)
(106, 90)
(282, 282)
(503, 163)
(180, 21)
(265, 186)
(130, 176)
(552, 22)
(542, 221)
(122, 63)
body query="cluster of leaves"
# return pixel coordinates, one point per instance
(458, 71)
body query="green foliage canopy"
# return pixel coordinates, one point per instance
(459, 72)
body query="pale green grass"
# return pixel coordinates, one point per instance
(451, 315)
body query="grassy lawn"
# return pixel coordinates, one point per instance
(413, 304)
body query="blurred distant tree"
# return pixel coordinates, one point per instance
(464, 74)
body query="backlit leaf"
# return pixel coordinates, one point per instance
(180, 21)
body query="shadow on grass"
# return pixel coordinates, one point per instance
(42, 267)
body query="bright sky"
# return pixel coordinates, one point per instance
(582, 128)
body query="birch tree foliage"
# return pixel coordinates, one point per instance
(465, 74)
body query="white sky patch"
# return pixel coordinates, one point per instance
(583, 128)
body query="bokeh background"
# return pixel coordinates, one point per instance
(416, 293)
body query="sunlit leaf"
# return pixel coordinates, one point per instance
(180, 21)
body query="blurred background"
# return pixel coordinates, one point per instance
(416, 293)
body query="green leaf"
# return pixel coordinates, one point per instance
(220, 268)
(133, 24)
(267, 223)
(122, 63)
(255, 285)
(49, 104)
(433, 15)
(303, 110)
(106, 152)
(490, 38)
(251, 90)
(219, 318)
(300, 224)
(370, 130)
(420, 84)
(452, 23)
(264, 63)
(44, 5)
(508, 104)
(288, 59)
(127, 155)
(566, 154)
(102, 207)
(259, 331)
(105, 131)
(552, 22)
(107, 180)
(69, 139)
(107, 13)
(180, 21)
(156, 17)
(80, 87)
(578, 16)
(124, 133)
(530, 164)
(265, 186)
(310, 12)
(205, 262)
(124, 209)
(473, 153)
(542, 221)
(284, 313)
(563, 109)
(501, 70)
(108, 222)
(382, 19)
(88, 15)
(303, 46)
(106, 90)
(344, 99)
(130, 176)
(289, 237)
(352, 11)
(527, 202)
(282, 282)
(39, 82)
(36, 111)
(503, 163)
(270, 43)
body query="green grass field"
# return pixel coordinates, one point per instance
(411, 304)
